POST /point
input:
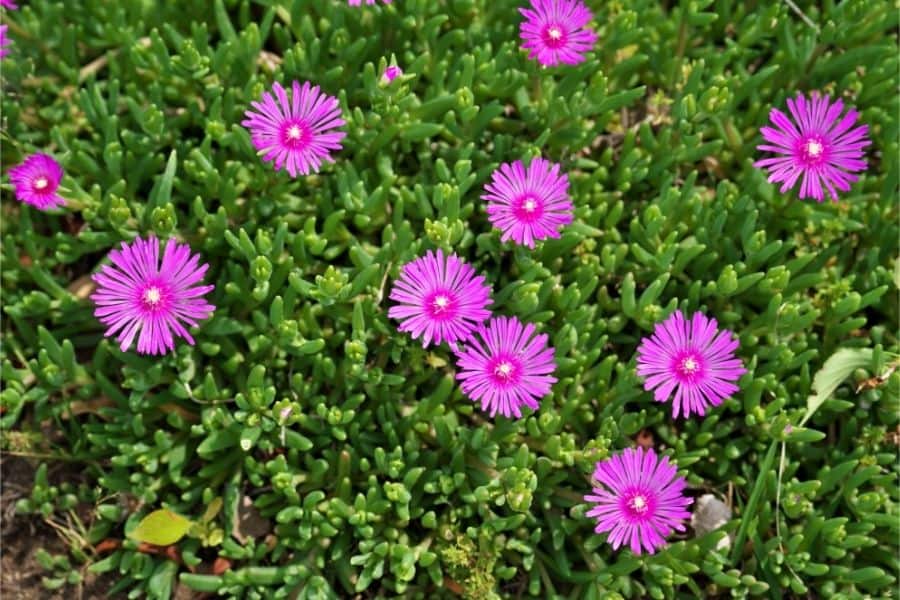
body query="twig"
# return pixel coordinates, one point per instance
(380, 295)
(49, 457)
(778, 512)
(802, 15)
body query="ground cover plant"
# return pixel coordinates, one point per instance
(450, 299)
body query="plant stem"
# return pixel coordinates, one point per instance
(750, 508)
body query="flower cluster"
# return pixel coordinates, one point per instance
(528, 204)
(296, 132)
(639, 500)
(693, 359)
(151, 291)
(440, 299)
(142, 295)
(555, 31)
(818, 148)
(5, 42)
(503, 364)
(36, 181)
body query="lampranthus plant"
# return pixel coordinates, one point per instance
(344, 458)
(36, 181)
(819, 147)
(439, 298)
(505, 365)
(138, 296)
(9, 4)
(528, 204)
(693, 359)
(638, 500)
(297, 132)
(554, 31)
(369, 2)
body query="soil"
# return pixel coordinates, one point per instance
(21, 536)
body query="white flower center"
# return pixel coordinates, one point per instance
(294, 132)
(814, 148)
(152, 296)
(504, 369)
(555, 33)
(638, 503)
(529, 205)
(441, 302)
(40, 183)
(689, 365)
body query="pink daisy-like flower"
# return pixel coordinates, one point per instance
(297, 132)
(692, 358)
(639, 500)
(528, 204)
(818, 144)
(36, 181)
(369, 2)
(505, 366)
(439, 298)
(138, 295)
(554, 31)
(9, 4)
(4, 41)
(391, 73)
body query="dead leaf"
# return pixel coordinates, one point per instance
(644, 439)
(893, 437)
(248, 522)
(82, 287)
(79, 407)
(874, 382)
(171, 407)
(107, 545)
(709, 514)
(220, 565)
(268, 61)
(453, 586)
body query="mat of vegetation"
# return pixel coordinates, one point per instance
(303, 447)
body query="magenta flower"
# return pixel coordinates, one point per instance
(439, 298)
(694, 359)
(390, 74)
(528, 204)
(554, 31)
(818, 144)
(36, 181)
(136, 294)
(370, 2)
(639, 500)
(296, 132)
(9, 4)
(506, 366)
(4, 41)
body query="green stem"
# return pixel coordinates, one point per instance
(750, 508)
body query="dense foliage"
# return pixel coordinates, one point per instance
(382, 478)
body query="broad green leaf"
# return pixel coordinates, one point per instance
(161, 527)
(835, 370)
